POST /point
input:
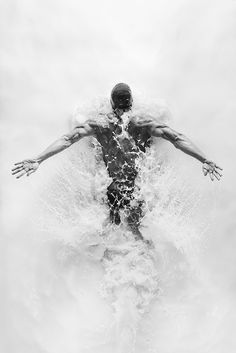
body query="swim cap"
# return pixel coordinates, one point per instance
(121, 96)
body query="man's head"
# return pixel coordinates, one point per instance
(121, 97)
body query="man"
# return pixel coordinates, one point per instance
(123, 138)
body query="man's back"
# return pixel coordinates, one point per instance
(122, 139)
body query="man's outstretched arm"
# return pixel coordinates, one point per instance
(29, 166)
(184, 144)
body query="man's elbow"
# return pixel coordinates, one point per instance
(65, 141)
(179, 140)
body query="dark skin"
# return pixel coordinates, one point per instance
(123, 138)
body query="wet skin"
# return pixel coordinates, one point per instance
(123, 137)
(122, 142)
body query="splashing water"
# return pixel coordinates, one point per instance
(89, 285)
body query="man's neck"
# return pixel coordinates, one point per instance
(119, 112)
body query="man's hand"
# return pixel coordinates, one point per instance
(212, 169)
(28, 166)
(184, 144)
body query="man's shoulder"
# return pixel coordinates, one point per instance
(100, 121)
(144, 121)
(99, 124)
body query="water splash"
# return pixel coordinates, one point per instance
(93, 283)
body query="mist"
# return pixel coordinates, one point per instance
(55, 55)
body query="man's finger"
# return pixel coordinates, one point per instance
(219, 167)
(216, 171)
(21, 174)
(30, 172)
(19, 163)
(17, 168)
(205, 170)
(211, 176)
(17, 171)
(216, 176)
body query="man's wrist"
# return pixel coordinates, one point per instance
(38, 160)
(205, 160)
(208, 161)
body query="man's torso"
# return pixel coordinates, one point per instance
(122, 142)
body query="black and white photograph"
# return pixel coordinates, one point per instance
(118, 176)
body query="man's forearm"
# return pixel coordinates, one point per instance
(56, 147)
(29, 166)
(179, 140)
(184, 144)
(65, 141)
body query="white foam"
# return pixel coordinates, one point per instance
(96, 286)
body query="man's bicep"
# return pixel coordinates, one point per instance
(79, 132)
(165, 132)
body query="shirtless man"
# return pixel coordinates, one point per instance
(123, 137)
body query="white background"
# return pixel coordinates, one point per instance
(55, 54)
